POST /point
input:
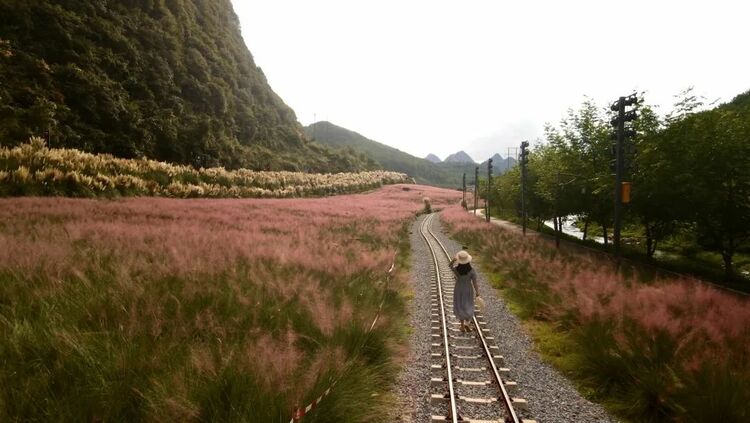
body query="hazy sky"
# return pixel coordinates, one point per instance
(432, 76)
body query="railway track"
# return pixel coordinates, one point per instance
(468, 371)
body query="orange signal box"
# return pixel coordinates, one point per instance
(625, 192)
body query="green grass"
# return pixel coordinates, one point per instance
(69, 351)
(375, 366)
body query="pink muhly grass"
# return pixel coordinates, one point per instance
(280, 359)
(203, 360)
(716, 323)
(167, 237)
(327, 360)
(128, 249)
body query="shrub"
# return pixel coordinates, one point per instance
(34, 169)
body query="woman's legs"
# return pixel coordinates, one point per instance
(466, 325)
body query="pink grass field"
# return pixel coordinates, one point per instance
(152, 237)
(708, 325)
(133, 243)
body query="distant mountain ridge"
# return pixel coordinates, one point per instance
(441, 173)
(381, 155)
(499, 164)
(433, 158)
(460, 157)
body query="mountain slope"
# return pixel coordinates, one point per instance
(171, 80)
(433, 158)
(460, 157)
(423, 171)
(458, 168)
(500, 165)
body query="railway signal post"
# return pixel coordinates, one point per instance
(463, 199)
(476, 189)
(489, 186)
(619, 136)
(524, 159)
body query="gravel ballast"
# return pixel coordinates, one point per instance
(551, 397)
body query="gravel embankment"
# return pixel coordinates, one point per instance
(413, 387)
(551, 397)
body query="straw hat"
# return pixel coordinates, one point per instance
(463, 257)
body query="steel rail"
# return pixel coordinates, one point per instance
(507, 401)
(451, 391)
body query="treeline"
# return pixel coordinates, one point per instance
(33, 169)
(169, 80)
(690, 174)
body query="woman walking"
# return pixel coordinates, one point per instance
(465, 290)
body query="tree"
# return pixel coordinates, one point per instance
(139, 77)
(581, 146)
(658, 183)
(721, 151)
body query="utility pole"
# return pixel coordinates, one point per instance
(507, 159)
(489, 186)
(524, 161)
(619, 158)
(476, 189)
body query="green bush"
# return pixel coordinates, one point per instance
(34, 169)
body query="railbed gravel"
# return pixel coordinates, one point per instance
(551, 397)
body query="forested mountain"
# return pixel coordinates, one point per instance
(500, 165)
(460, 157)
(423, 171)
(433, 158)
(461, 163)
(171, 80)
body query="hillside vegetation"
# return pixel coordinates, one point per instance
(389, 158)
(169, 80)
(459, 157)
(34, 169)
(432, 171)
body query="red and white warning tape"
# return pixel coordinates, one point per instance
(300, 412)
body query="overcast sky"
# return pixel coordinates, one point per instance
(432, 76)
